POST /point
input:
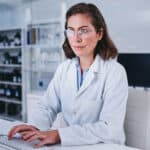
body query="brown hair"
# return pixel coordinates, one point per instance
(105, 47)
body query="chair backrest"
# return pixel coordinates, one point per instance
(137, 123)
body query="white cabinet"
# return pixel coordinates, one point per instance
(43, 53)
(28, 60)
(32, 103)
(11, 74)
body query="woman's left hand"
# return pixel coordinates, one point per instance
(45, 137)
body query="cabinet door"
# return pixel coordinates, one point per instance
(44, 54)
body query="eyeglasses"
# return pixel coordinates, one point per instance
(69, 33)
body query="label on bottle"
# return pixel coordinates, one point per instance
(16, 94)
(19, 79)
(8, 93)
(14, 79)
(1, 91)
(19, 60)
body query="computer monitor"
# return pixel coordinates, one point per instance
(137, 66)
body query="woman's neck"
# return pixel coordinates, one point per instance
(85, 62)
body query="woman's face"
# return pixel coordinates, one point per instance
(81, 35)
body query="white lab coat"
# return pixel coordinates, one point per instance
(95, 113)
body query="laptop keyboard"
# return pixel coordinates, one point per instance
(18, 144)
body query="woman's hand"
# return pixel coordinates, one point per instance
(22, 129)
(45, 137)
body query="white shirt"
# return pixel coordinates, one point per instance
(95, 113)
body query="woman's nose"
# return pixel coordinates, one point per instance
(77, 37)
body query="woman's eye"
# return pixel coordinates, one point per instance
(69, 32)
(83, 30)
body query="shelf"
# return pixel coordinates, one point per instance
(11, 83)
(45, 46)
(46, 70)
(10, 65)
(10, 100)
(10, 118)
(46, 62)
(10, 29)
(10, 47)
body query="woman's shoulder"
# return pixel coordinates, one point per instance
(65, 64)
(112, 65)
(113, 70)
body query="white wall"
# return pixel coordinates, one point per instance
(44, 10)
(5, 16)
(129, 24)
(11, 16)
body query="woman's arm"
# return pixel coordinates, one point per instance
(49, 106)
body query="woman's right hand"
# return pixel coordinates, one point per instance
(21, 129)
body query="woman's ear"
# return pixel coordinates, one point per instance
(100, 34)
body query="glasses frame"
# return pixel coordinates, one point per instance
(82, 32)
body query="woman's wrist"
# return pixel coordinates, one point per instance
(58, 140)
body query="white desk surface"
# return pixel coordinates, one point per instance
(95, 147)
(6, 125)
(87, 147)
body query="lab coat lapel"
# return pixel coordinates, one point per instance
(93, 71)
(73, 77)
(89, 78)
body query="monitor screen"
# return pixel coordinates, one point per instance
(137, 66)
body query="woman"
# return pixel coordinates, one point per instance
(89, 88)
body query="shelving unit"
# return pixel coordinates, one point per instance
(44, 53)
(11, 74)
(28, 59)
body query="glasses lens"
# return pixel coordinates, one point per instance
(69, 32)
(83, 31)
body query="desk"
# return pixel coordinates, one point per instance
(89, 147)
(6, 125)
(98, 147)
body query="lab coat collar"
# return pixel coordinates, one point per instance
(96, 67)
